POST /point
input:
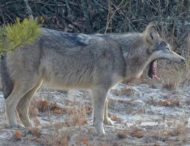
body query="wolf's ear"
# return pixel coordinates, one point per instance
(151, 34)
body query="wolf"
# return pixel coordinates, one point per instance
(95, 62)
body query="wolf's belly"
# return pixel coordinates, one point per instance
(68, 81)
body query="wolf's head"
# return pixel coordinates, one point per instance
(158, 49)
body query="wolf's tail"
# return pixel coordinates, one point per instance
(7, 84)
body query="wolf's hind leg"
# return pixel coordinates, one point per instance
(11, 103)
(23, 105)
(107, 120)
(20, 88)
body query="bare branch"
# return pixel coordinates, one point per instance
(28, 9)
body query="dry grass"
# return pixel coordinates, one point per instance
(170, 85)
(77, 117)
(164, 102)
(18, 135)
(174, 75)
(179, 133)
(44, 105)
(123, 92)
(56, 139)
(136, 132)
(115, 118)
(72, 130)
(36, 132)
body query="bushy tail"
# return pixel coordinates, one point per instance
(7, 84)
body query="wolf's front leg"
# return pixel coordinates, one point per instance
(99, 96)
(107, 120)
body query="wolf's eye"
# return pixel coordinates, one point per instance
(161, 46)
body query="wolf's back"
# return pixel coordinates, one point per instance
(7, 84)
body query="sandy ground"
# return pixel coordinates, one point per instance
(143, 115)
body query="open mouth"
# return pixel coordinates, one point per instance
(152, 72)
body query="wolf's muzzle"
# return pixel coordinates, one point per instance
(183, 60)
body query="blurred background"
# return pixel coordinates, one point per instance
(102, 16)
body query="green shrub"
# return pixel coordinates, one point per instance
(13, 36)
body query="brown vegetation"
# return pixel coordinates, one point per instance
(165, 102)
(18, 134)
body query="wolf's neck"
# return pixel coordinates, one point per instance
(128, 41)
(135, 53)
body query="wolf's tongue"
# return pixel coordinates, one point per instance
(152, 73)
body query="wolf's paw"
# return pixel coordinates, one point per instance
(100, 132)
(108, 121)
(100, 129)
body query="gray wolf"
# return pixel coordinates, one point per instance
(67, 60)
